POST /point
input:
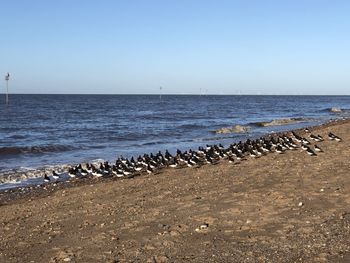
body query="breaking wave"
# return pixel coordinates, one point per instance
(27, 176)
(337, 110)
(35, 149)
(279, 122)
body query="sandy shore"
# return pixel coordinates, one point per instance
(278, 208)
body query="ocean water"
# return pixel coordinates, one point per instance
(41, 130)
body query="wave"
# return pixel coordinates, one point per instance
(16, 136)
(35, 149)
(279, 122)
(336, 110)
(25, 175)
(217, 138)
(191, 126)
(234, 129)
(152, 143)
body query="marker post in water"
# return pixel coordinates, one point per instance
(160, 92)
(7, 78)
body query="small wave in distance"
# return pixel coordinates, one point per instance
(35, 149)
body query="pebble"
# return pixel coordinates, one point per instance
(174, 233)
(161, 259)
(322, 190)
(300, 204)
(202, 227)
(163, 226)
(67, 259)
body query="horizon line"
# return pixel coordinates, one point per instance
(176, 94)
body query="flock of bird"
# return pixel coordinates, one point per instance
(211, 154)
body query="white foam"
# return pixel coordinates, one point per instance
(26, 175)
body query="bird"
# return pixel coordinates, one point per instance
(189, 164)
(315, 138)
(304, 147)
(253, 154)
(231, 159)
(137, 168)
(150, 169)
(310, 152)
(320, 137)
(338, 139)
(89, 168)
(305, 141)
(279, 149)
(72, 172)
(211, 160)
(55, 175)
(297, 137)
(174, 164)
(96, 172)
(127, 172)
(117, 171)
(46, 178)
(317, 148)
(332, 136)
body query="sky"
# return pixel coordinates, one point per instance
(184, 46)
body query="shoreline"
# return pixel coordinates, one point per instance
(24, 175)
(276, 208)
(17, 191)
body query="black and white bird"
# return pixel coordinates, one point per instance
(317, 148)
(127, 172)
(310, 152)
(332, 136)
(46, 178)
(55, 175)
(117, 171)
(304, 147)
(320, 138)
(231, 159)
(279, 149)
(297, 137)
(150, 169)
(315, 138)
(72, 172)
(174, 164)
(305, 141)
(96, 172)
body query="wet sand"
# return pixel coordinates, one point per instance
(278, 208)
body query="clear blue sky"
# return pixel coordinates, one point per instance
(222, 47)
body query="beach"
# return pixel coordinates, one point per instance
(288, 207)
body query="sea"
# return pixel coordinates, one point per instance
(39, 132)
